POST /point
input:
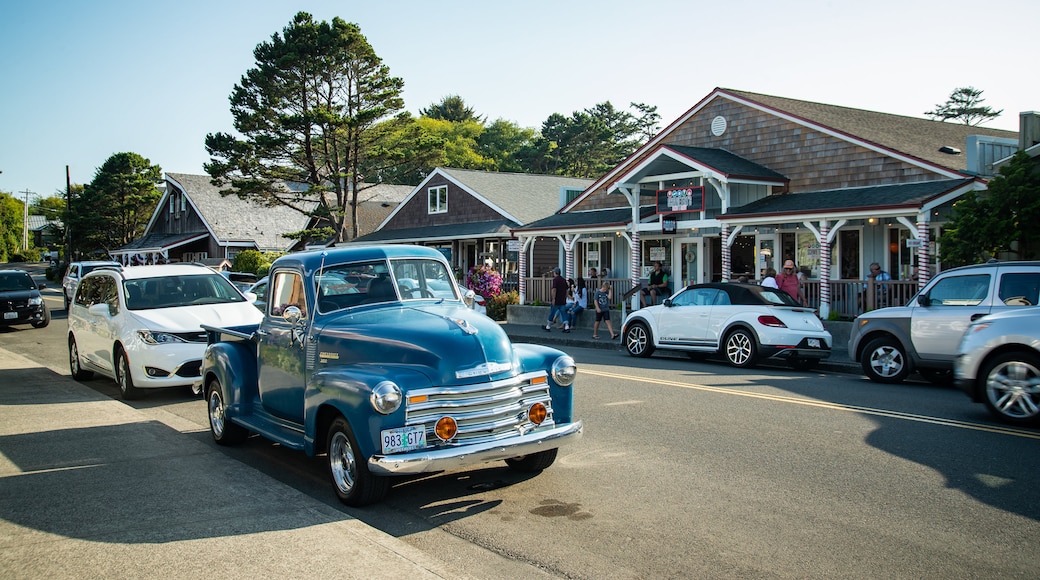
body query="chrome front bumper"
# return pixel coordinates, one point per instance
(455, 457)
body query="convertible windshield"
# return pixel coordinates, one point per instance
(172, 291)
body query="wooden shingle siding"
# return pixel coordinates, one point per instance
(462, 208)
(811, 159)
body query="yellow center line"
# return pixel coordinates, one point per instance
(824, 405)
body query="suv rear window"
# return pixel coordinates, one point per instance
(1020, 289)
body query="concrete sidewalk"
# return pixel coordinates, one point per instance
(93, 488)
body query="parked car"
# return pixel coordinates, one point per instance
(259, 289)
(242, 280)
(998, 363)
(368, 355)
(142, 326)
(76, 271)
(743, 322)
(21, 301)
(890, 343)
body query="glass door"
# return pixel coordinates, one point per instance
(689, 257)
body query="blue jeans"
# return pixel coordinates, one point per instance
(554, 310)
(572, 314)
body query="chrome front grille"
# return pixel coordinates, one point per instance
(483, 412)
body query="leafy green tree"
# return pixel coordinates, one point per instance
(460, 142)
(247, 261)
(12, 220)
(964, 105)
(452, 108)
(502, 142)
(999, 222)
(321, 109)
(589, 142)
(115, 207)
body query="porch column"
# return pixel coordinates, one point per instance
(725, 253)
(923, 273)
(825, 269)
(522, 266)
(568, 252)
(635, 257)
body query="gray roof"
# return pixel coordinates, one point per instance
(236, 220)
(879, 196)
(155, 242)
(499, 228)
(525, 196)
(726, 163)
(577, 219)
(914, 136)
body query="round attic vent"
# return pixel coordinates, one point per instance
(718, 126)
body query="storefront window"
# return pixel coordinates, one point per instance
(655, 251)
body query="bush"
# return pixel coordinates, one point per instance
(497, 306)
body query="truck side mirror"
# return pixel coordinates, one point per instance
(292, 314)
(923, 300)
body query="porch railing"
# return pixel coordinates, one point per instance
(849, 298)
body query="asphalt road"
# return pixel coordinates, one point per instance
(695, 469)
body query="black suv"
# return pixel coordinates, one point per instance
(21, 301)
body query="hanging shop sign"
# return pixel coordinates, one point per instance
(680, 199)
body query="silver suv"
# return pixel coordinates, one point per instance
(76, 272)
(889, 343)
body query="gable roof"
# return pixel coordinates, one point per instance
(915, 140)
(502, 191)
(230, 219)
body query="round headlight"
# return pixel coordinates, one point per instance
(386, 397)
(563, 371)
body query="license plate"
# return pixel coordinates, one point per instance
(814, 343)
(10, 315)
(403, 439)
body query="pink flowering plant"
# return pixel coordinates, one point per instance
(484, 281)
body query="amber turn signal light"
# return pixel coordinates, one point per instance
(537, 413)
(446, 428)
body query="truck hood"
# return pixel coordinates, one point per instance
(449, 343)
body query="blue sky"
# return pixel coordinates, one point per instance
(81, 80)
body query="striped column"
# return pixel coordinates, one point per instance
(568, 251)
(523, 271)
(825, 269)
(636, 260)
(923, 272)
(725, 253)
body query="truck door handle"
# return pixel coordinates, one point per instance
(261, 332)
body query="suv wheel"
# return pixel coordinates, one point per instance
(884, 361)
(1012, 387)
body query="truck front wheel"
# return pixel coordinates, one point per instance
(534, 462)
(354, 483)
(224, 431)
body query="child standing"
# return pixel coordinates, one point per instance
(602, 299)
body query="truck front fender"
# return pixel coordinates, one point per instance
(234, 365)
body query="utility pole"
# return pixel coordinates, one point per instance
(25, 222)
(68, 215)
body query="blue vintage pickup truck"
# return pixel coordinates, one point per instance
(369, 354)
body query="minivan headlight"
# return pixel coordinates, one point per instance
(158, 337)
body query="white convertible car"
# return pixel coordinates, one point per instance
(743, 322)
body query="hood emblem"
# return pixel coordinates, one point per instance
(464, 325)
(480, 370)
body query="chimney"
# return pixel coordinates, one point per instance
(1028, 129)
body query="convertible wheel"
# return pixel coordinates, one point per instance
(803, 364)
(884, 361)
(638, 341)
(124, 378)
(534, 462)
(224, 432)
(1012, 387)
(74, 367)
(740, 348)
(354, 483)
